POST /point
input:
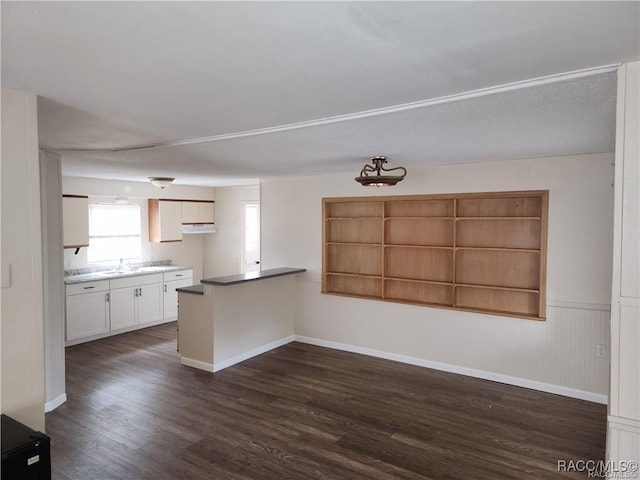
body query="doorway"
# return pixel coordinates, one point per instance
(250, 248)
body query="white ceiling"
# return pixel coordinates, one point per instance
(115, 75)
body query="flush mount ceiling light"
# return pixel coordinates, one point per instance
(161, 182)
(368, 179)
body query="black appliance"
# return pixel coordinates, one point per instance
(25, 452)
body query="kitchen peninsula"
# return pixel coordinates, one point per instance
(226, 320)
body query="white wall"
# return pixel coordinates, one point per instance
(223, 249)
(188, 252)
(558, 354)
(23, 385)
(52, 279)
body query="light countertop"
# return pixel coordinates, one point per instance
(113, 274)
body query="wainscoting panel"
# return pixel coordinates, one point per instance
(568, 353)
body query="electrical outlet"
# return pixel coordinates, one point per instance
(601, 350)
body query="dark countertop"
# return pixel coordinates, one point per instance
(250, 277)
(194, 289)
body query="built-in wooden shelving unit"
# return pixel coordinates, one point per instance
(483, 252)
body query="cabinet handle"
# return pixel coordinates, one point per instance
(179, 275)
(165, 288)
(135, 292)
(87, 288)
(106, 297)
(140, 291)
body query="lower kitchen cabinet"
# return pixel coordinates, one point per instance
(173, 280)
(123, 307)
(136, 301)
(150, 303)
(108, 307)
(87, 309)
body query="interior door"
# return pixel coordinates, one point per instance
(250, 237)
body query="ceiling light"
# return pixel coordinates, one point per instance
(161, 182)
(367, 179)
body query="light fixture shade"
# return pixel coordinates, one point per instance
(368, 179)
(161, 182)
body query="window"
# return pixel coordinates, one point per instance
(114, 233)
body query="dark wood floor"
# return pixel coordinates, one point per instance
(303, 412)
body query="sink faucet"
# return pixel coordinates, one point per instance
(124, 266)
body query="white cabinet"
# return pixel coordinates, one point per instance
(165, 221)
(75, 221)
(136, 301)
(197, 212)
(87, 309)
(105, 307)
(172, 281)
(150, 303)
(123, 307)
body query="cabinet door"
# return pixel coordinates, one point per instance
(197, 212)
(171, 297)
(123, 307)
(170, 221)
(190, 212)
(165, 221)
(150, 303)
(75, 221)
(87, 314)
(205, 212)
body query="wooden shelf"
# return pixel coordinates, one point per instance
(500, 249)
(346, 274)
(419, 231)
(352, 218)
(497, 299)
(420, 250)
(496, 218)
(354, 209)
(355, 243)
(368, 286)
(419, 263)
(419, 207)
(494, 287)
(418, 281)
(394, 245)
(419, 218)
(417, 302)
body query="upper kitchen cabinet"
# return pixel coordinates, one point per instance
(75, 221)
(194, 212)
(165, 221)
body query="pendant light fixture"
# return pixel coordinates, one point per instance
(368, 179)
(161, 182)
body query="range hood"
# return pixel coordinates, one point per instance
(198, 228)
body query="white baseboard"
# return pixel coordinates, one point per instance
(470, 372)
(190, 362)
(217, 366)
(55, 403)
